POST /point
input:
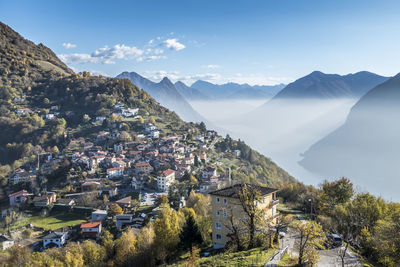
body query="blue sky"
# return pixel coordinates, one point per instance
(258, 42)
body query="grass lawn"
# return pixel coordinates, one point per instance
(287, 261)
(253, 257)
(52, 222)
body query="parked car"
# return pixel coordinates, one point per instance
(333, 241)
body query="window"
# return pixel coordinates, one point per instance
(218, 237)
(272, 211)
(225, 201)
(224, 214)
(218, 225)
(217, 199)
(217, 213)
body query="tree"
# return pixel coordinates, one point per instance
(235, 228)
(248, 198)
(115, 209)
(311, 238)
(107, 240)
(161, 200)
(190, 234)
(202, 127)
(125, 248)
(166, 229)
(335, 193)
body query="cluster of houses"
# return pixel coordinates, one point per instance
(151, 161)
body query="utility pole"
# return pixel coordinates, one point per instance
(311, 215)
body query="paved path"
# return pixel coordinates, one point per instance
(329, 257)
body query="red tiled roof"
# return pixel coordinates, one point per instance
(167, 172)
(16, 193)
(142, 164)
(90, 224)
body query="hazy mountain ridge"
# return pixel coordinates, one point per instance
(191, 94)
(166, 94)
(369, 138)
(235, 90)
(321, 85)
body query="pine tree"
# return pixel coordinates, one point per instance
(190, 234)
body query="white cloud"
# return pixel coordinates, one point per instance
(211, 66)
(109, 55)
(77, 58)
(99, 73)
(173, 44)
(150, 58)
(118, 52)
(68, 45)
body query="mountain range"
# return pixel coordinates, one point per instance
(325, 86)
(235, 90)
(367, 145)
(167, 95)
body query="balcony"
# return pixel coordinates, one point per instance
(273, 203)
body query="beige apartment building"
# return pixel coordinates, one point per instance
(225, 202)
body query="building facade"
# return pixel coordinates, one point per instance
(225, 204)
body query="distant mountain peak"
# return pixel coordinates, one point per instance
(166, 81)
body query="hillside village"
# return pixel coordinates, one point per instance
(110, 170)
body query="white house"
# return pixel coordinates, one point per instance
(50, 116)
(165, 179)
(123, 219)
(155, 134)
(209, 172)
(150, 127)
(55, 239)
(99, 215)
(115, 172)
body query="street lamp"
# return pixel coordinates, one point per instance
(310, 200)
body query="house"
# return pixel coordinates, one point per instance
(45, 200)
(143, 168)
(225, 204)
(124, 202)
(203, 157)
(50, 116)
(18, 198)
(99, 215)
(18, 176)
(209, 172)
(55, 239)
(66, 202)
(24, 111)
(123, 219)
(136, 183)
(110, 191)
(165, 179)
(5, 242)
(155, 134)
(91, 229)
(115, 172)
(89, 186)
(150, 127)
(100, 118)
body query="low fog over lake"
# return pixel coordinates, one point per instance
(282, 130)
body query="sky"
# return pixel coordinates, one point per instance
(256, 42)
